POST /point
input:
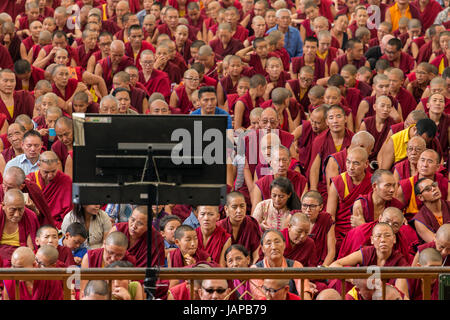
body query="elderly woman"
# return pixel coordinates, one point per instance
(273, 245)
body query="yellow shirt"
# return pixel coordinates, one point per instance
(322, 56)
(10, 110)
(11, 239)
(396, 15)
(442, 66)
(338, 147)
(400, 140)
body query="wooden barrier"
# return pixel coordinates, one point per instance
(426, 274)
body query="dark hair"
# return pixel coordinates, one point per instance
(59, 34)
(197, 43)
(376, 176)
(427, 126)
(120, 264)
(77, 229)
(181, 230)
(45, 226)
(199, 67)
(336, 80)
(395, 42)
(32, 133)
(117, 90)
(258, 40)
(166, 219)
(335, 106)
(105, 34)
(312, 39)
(234, 194)
(417, 190)
(22, 66)
(446, 73)
(271, 230)
(159, 4)
(134, 27)
(285, 185)
(382, 64)
(78, 212)
(351, 43)
(238, 247)
(204, 89)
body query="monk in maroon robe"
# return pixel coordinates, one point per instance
(428, 12)
(34, 289)
(244, 229)
(440, 243)
(225, 44)
(30, 74)
(153, 80)
(246, 103)
(406, 236)
(398, 58)
(56, 186)
(212, 238)
(346, 188)
(136, 231)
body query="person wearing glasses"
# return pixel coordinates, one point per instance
(180, 99)
(278, 289)
(435, 211)
(397, 58)
(427, 167)
(153, 80)
(381, 253)
(408, 168)
(214, 289)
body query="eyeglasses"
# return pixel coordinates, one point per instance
(310, 206)
(270, 290)
(390, 52)
(40, 263)
(212, 290)
(148, 63)
(192, 79)
(306, 79)
(416, 149)
(429, 187)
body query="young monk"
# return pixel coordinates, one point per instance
(48, 235)
(188, 253)
(180, 99)
(250, 100)
(258, 59)
(243, 86)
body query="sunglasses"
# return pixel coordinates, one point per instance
(429, 187)
(270, 290)
(212, 290)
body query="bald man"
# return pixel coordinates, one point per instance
(224, 43)
(427, 166)
(406, 236)
(14, 178)
(429, 257)
(153, 80)
(328, 294)
(96, 290)
(180, 99)
(55, 185)
(346, 188)
(335, 164)
(18, 225)
(299, 246)
(117, 61)
(23, 257)
(47, 257)
(159, 106)
(114, 249)
(441, 243)
(64, 145)
(278, 289)
(408, 168)
(207, 57)
(15, 136)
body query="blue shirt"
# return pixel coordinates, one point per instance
(192, 221)
(217, 111)
(141, 15)
(23, 163)
(292, 41)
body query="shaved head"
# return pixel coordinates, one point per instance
(299, 217)
(430, 256)
(117, 238)
(48, 157)
(361, 152)
(13, 194)
(329, 294)
(50, 252)
(117, 45)
(443, 233)
(364, 140)
(23, 256)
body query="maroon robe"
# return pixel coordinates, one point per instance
(396, 258)
(107, 73)
(28, 43)
(353, 98)
(36, 75)
(299, 182)
(427, 218)
(232, 47)
(406, 62)
(42, 290)
(8, 154)
(139, 249)
(137, 98)
(353, 27)
(240, 34)
(304, 252)
(331, 56)
(256, 64)
(28, 226)
(228, 86)
(358, 237)
(403, 169)
(429, 14)
(319, 66)
(304, 144)
(23, 104)
(158, 82)
(284, 56)
(177, 258)
(280, 82)
(426, 51)
(69, 89)
(341, 160)
(174, 72)
(319, 234)
(249, 234)
(345, 203)
(432, 244)
(380, 137)
(295, 86)
(215, 243)
(9, 7)
(38, 199)
(70, 50)
(442, 134)
(61, 151)
(342, 61)
(95, 258)
(65, 256)
(164, 28)
(325, 9)
(6, 62)
(409, 194)
(371, 101)
(368, 205)
(58, 194)
(130, 53)
(84, 56)
(364, 88)
(407, 101)
(248, 104)
(184, 105)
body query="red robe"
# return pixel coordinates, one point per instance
(137, 98)
(107, 73)
(319, 234)
(284, 56)
(442, 135)
(345, 204)
(406, 62)
(248, 104)
(177, 258)
(319, 66)
(358, 237)
(158, 82)
(403, 169)
(295, 86)
(215, 243)
(380, 137)
(342, 61)
(298, 180)
(139, 249)
(371, 101)
(232, 47)
(429, 14)
(23, 104)
(70, 50)
(304, 252)
(42, 290)
(84, 56)
(249, 234)
(368, 206)
(36, 75)
(28, 226)
(410, 196)
(129, 52)
(95, 258)
(58, 194)
(69, 90)
(427, 218)
(65, 256)
(341, 160)
(6, 61)
(370, 258)
(407, 101)
(304, 144)
(61, 151)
